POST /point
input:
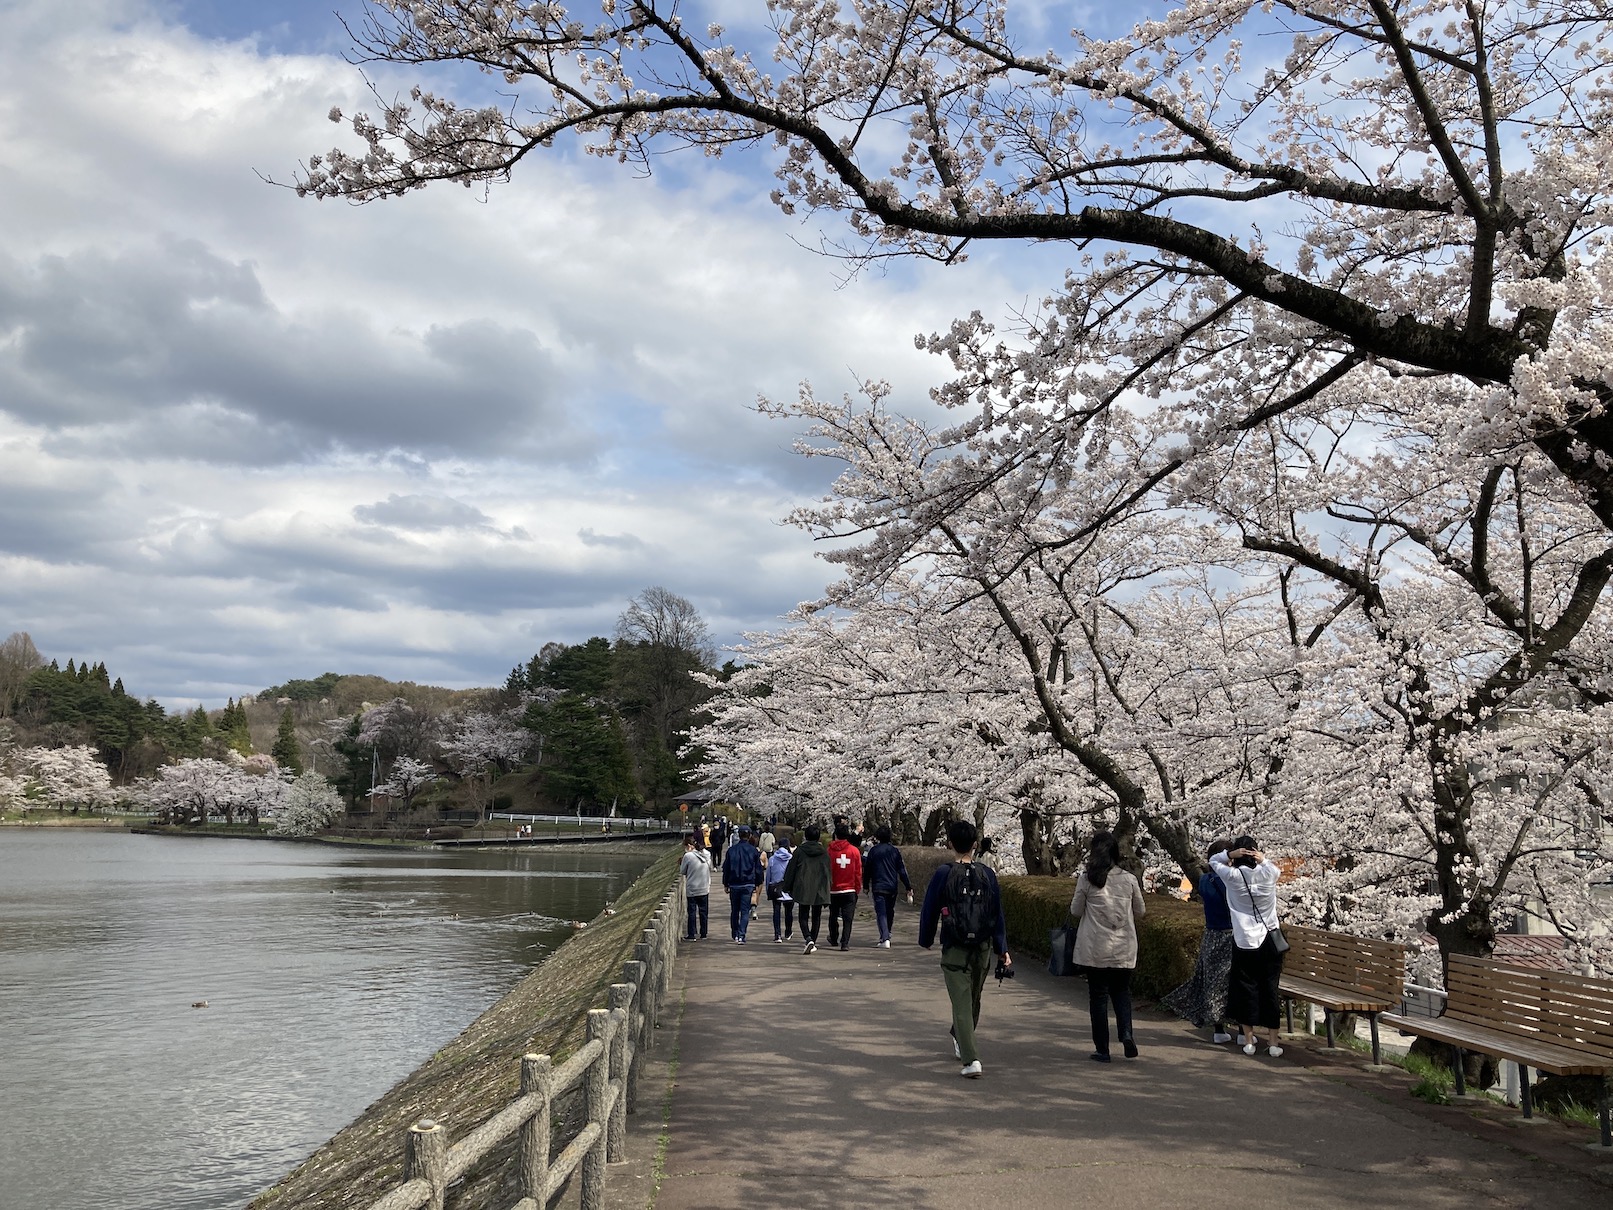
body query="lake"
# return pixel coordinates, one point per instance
(328, 974)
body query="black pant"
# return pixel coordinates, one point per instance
(1106, 984)
(784, 911)
(699, 907)
(842, 907)
(1252, 994)
(810, 915)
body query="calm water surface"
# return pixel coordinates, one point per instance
(329, 974)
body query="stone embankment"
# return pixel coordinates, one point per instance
(478, 1073)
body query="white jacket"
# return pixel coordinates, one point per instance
(1252, 896)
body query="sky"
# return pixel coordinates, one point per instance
(246, 437)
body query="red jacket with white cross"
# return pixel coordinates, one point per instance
(845, 867)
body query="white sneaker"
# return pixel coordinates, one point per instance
(972, 1071)
(885, 944)
(1219, 1038)
(1274, 1051)
(811, 947)
(1248, 1048)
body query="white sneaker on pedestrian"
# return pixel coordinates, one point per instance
(1248, 1048)
(1274, 1051)
(1219, 1038)
(885, 944)
(972, 1071)
(809, 947)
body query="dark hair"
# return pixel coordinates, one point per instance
(985, 844)
(842, 832)
(883, 834)
(812, 831)
(1217, 846)
(1244, 842)
(1105, 857)
(961, 835)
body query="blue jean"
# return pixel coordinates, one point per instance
(701, 905)
(884, 912)
(739, 907)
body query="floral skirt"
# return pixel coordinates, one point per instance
(1203, 998)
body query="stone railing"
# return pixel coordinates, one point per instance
(607, 1067)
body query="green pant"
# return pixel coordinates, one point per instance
(965, 971)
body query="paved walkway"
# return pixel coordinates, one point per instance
(828, 1081)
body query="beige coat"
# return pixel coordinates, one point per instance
(1109, 914)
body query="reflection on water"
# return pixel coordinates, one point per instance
(328, 975)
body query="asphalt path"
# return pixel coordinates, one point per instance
(828, 1080)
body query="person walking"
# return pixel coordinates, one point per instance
(806, 881)
(1251, 885)
(987, 857)
(1203, 998)
(767, 842)
(1108, 902)
(783, 905)
(883, 870)
(742, 873)
(696, 870)
(963, 903)
(845, 880)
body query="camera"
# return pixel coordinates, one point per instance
(1004, 971)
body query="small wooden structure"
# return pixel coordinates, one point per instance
(1342, 974)
(1549, 1020)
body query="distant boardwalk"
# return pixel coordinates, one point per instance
(829, 1081)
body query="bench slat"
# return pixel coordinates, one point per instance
(1559, 1060)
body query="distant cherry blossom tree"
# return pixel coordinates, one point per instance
(409, 777)
(482, 746)
(308, 805)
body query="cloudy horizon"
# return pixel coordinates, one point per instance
(246, 437)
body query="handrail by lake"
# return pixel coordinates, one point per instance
(607, 1067)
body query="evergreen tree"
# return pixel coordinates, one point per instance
(286, 751)
(233, 728)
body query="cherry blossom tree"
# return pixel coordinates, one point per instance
(1343, 305)
(309, 805)
(191, 790)
(72, 776)
(483, 745)
(409, 777)
(1410, 189)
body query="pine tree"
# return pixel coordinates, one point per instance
(286, 752)
(232, 725)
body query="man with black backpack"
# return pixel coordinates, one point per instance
(963, 902)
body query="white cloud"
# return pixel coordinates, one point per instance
(245, 437)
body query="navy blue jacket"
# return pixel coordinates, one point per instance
(935, 900)
(1217, 915)
(742, 865)
(883, 868)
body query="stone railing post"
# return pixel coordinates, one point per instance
(645, 952)
(621, 1046)
(534, 1157)
(634, 972)
(596, 1089)
(427, 1159)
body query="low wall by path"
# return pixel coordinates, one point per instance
(478, 1073)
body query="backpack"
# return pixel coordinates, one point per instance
(968, 912)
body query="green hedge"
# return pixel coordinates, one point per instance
(1167, 936)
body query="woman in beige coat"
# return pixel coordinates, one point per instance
(1109, 903)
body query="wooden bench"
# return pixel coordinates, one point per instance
(1548, 1020)
(1342, 974)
